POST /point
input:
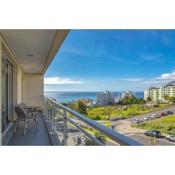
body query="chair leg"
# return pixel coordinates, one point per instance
(26, 122)
(16, 125)
(36, 122)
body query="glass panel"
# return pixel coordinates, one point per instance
(4, 99)
(7, 93)
(10, 93)
(58, 124)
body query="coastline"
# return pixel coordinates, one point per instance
(67, 96)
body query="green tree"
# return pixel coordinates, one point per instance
(108, 111)
(148, 99)
(81, 107)
(132, 100)
(172, 99)
(78, 106)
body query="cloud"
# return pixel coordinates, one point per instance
(152, 57)
(75, 51)
(59, 80)
(132, 79)
(154, 82)
(122, 60)
(167, 76)
(161, 80)
(100, 53)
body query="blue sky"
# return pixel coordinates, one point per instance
(116, 60)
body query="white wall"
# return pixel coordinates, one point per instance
(33, 88)
(19, 86)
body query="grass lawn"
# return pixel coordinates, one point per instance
(165, 124)
(100, 112)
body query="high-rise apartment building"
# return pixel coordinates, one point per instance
(160, 93)
(105, 98)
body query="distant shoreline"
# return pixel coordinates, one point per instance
(96, 91)
(67, 96)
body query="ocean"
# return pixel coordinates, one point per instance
(70, 96)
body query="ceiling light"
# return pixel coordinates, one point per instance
(30, 55)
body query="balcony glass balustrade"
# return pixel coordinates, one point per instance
(73, 128)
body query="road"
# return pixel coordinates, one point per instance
(124, 126)
(137, 134)
(150, 141)
(171, 108)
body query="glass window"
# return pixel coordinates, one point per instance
(7, 93)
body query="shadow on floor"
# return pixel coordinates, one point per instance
(32, 136)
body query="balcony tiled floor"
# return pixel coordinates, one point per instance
(32, 137)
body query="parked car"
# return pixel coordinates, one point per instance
(153, 116)
(163, 114)
(170, 138)
(117, 118)
(157, 116)
(137, 121)
(147, 118)
(169, 112)
(153, 133)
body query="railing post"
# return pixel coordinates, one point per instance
(54, 117)
(51, 116)
(48, 106)
(65, 128)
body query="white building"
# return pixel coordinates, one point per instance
(127, 94)
(160, 93)
(105, 98)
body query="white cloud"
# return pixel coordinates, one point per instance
(76, 51)
(158, 81)
(132, 79)
(59, 80)
(154, 82)
(152, 57)
(167, 76)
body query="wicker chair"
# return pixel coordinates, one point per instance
(25, 113)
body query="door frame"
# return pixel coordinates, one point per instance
(9, 92)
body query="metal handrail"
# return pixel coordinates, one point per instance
(86, 133)
(115, 136)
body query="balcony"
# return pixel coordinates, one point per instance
(24, 58)
(60, 125)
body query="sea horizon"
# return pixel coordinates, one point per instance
(67, 96)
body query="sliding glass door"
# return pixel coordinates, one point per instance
(7, 93)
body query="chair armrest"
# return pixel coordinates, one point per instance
(32, 107)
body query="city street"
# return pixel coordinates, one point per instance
(124, 126)
(171, 108)
(145, 140)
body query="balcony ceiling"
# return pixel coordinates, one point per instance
(32, 47)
